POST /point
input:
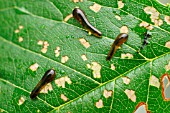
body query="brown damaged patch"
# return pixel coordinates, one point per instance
(140, 105)
(165, 86)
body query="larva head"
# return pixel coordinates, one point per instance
(121, 38)
(77, 14)
(49, 76)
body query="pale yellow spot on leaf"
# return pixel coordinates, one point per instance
(96, 69)
(96, 7)
(131, 95)
(44, 50)
(21, 27)
(149, 10)
(47, 88)
(84, 43)
(107, 93)
(89, 33)
(88, 66)
(63, 97)
(167, 44)
(61, 81)
(99, 104)
(16, 31)
(154, 15)
(167, 19)
(120, 4)
(57, 51)
(127, 55)
(154, 81)
(21, 100)
(124, 29)
(144, 24)
(20, 39)
(45, 46)
(64, 59)
(118, 17)
(84, 57)
(113, 67)
(158, 22)
(126, 80)
(34, 67)
(40, 42)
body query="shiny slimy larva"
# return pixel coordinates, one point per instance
(47, 78)
(80, 16)
(120, 39)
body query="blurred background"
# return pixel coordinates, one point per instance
(165, 1)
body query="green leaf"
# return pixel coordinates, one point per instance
(44, 20)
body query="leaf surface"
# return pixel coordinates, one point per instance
(43, 20)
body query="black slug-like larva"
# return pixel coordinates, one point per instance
(47, 78)
(120, 39)
(145, 42)
(79, 15)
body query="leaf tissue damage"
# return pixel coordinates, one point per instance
(44, 34)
